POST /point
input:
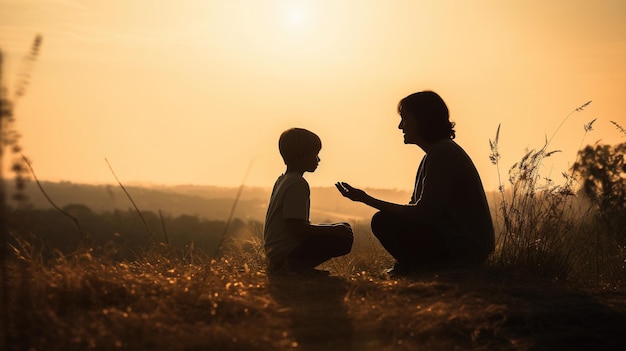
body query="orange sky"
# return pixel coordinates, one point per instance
(192, 91)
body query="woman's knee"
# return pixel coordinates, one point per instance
(381, 222)
(377, 218)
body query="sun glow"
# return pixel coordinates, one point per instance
(296, 15)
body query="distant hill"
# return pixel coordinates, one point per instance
(208, 202)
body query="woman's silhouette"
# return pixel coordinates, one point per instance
(447, 221)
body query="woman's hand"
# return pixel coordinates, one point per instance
(351, 193)
(359, 195)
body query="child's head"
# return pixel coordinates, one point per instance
(295, 144)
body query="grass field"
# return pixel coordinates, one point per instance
(184, 300)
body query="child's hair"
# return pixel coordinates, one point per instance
(297, 142)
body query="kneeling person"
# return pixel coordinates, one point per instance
(292, 244)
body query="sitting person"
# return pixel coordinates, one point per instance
(447, 221)
(292, 244)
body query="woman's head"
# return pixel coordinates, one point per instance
(430, 113)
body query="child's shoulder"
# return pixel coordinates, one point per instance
(289, 180)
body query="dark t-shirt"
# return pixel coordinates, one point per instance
(290, 199)
(449, 197)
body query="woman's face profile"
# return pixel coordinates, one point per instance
(410, 130)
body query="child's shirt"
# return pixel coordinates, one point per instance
(290, 199)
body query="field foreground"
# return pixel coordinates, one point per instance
(170, 302)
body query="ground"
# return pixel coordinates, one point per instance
(191, 303)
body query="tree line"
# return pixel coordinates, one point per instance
(120, 233)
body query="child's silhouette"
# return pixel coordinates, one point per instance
(447, 222)
(292, 244)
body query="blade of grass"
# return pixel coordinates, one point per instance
(165, 236)
(232, 211)
(83, 236)
(143, 219)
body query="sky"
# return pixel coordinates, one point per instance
(198, 91)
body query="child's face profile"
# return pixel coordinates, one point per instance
(309, 161)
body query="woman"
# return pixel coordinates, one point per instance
(447, 222)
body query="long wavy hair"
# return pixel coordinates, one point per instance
(431, 113)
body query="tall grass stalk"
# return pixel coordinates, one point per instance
(166, 237)
(218, 249)
(143, 219)
(83, 236)
(549, 141)
(535, 214)
(619, 127)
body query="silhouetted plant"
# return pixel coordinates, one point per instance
(534, 214)
(10, 136)
(619, 127)
(9, 139)
(151, 233)
(83, 235)
(218, 251)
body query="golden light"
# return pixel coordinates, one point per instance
(296, 15)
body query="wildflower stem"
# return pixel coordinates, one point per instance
(549, 141)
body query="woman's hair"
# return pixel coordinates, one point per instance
(297, 142)
(431, 113)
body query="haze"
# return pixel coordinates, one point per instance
(196, 91)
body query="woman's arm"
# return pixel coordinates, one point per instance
(358, 195)
(438, 171)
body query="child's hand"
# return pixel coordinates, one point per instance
(351, 193)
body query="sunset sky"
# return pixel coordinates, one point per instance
(193, 91)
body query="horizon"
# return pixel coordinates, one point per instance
(172, 185)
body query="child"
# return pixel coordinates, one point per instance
(292, 244)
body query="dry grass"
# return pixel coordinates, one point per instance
(544, 229)
(184, 300)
